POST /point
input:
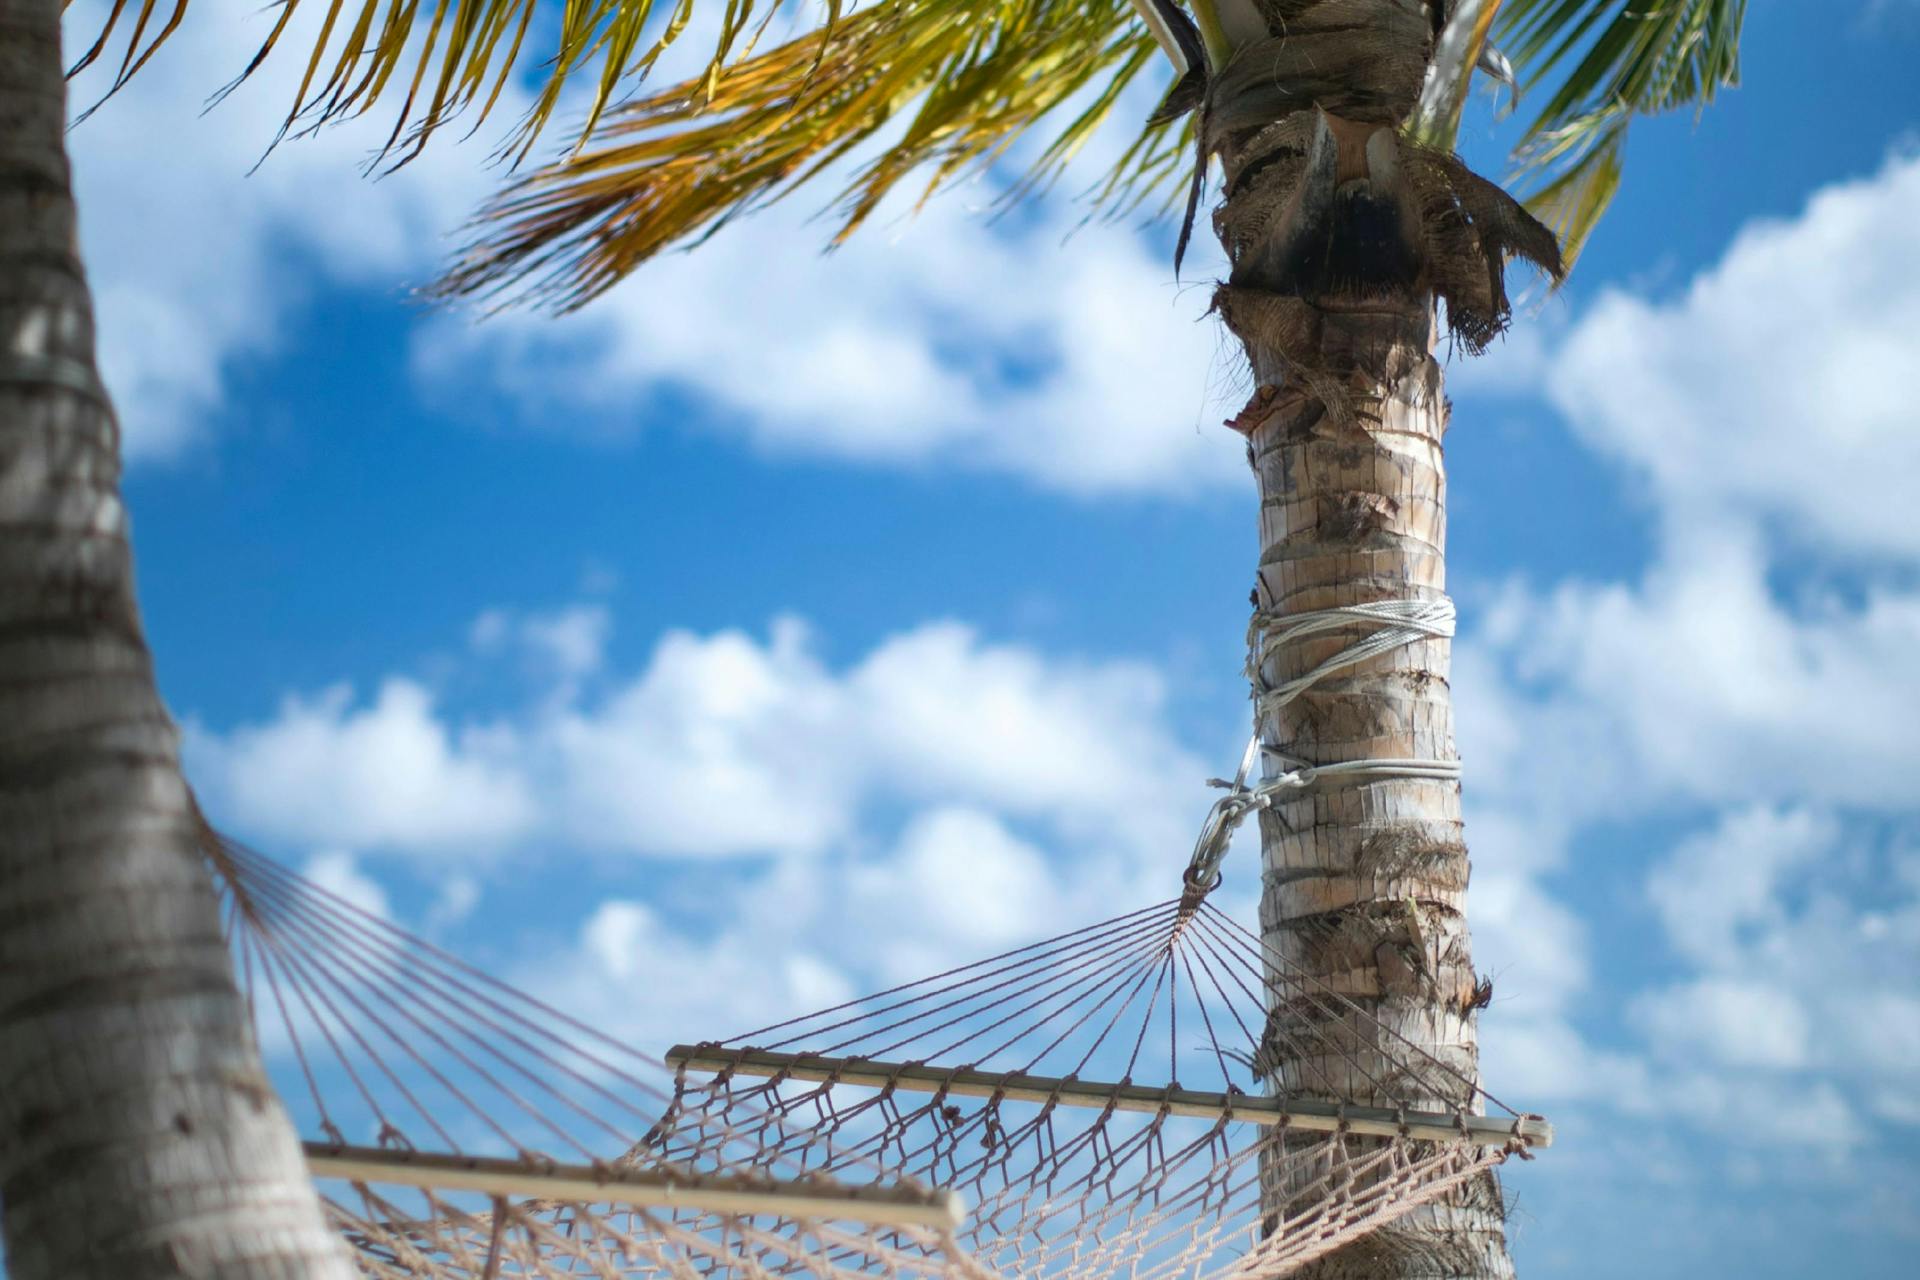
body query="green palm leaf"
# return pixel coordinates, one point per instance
(1607, 62)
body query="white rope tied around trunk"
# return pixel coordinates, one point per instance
(1398, 622)
(1395, 623)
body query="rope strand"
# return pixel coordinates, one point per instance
(1394, 623)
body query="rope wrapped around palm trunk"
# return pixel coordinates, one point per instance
(1393, 623)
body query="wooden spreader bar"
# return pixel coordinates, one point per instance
(894, 1206)
(1298, 1113)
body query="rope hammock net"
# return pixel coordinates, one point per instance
(1157, 1095)
(459, 1128)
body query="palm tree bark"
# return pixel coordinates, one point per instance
(1341, 232)
(138, 1134)
(1364, 886)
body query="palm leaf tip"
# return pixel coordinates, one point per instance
(900, 92)
(905, 87)
(1607, 62)
(442, 62)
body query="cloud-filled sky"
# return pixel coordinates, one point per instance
(788, 624)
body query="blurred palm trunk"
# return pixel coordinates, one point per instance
(138, 1134)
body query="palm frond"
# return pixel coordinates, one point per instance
(934, 90)
(445, 57)
(1609, 61)
(955, 82)
(1456, 54)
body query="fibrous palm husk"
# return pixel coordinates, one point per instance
(1359, 59)
(1331, 206)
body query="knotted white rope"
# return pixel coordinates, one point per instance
(1394, 623)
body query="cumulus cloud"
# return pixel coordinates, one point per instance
(199, 265)
(1702, 683)
(1778, 384)
(721, 745)
(1725, 690)
(633, 975)
(1808, 940)
(1726, 1021)
(954, 886)
(1720, 886)
(1066, 357)
(559, 649)
(339, 874)
(332, 770)
(937, 799)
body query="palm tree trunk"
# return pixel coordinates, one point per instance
(1364, 886)
(1340, 232)
(138, 1134)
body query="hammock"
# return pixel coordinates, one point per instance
(1145, 1096)
(1161, 1095)
(1108, 1101)
(459, 1128)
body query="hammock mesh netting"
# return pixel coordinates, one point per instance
(1107, 1102)
(458, 1128)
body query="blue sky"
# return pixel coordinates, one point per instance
(857, 613)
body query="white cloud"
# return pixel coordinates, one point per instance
(721, 745)
(957, 887)
(1757, 1112)
(1779, 384)
(572, 641)
(561, 647)
(1706, 685)
(1731, 1022)
(1720, 885)
(338, 873)
(936, 800)
(797, 935)
(1542, 1061)
(1532, 945)
(803, 935)
(198, 266)
(1764, 405)
(328, 770)
(634, 976)
(455, 900)
(1068, 358)
(726, 745)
